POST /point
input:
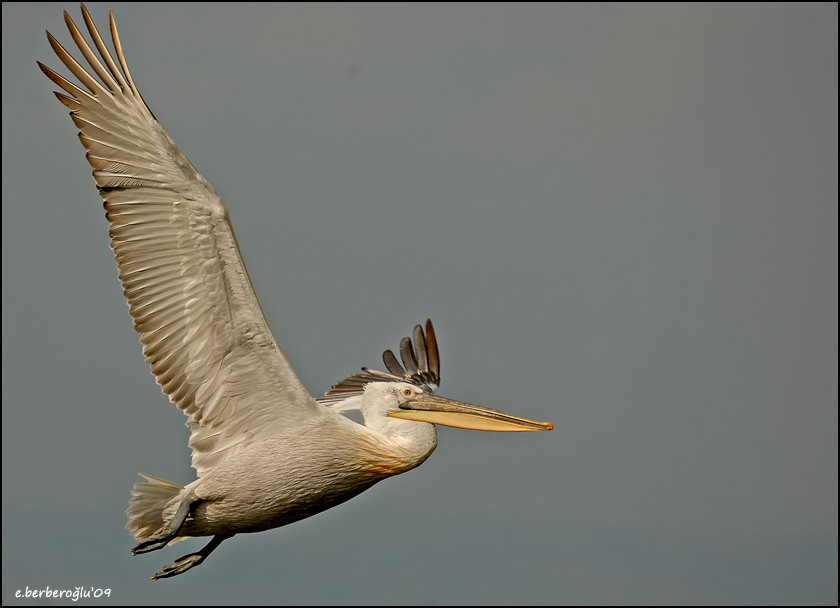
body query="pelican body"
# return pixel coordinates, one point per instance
(266, 453)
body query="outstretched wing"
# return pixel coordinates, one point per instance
(201, 326)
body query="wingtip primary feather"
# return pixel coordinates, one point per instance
(422, 370)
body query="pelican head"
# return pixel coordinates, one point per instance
(417, 404)
(408, 392)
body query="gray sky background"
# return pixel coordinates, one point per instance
(621, 218)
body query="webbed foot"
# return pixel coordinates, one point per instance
(183, 564)
(180, 565)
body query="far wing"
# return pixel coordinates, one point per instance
(201, 326)
(420, 367)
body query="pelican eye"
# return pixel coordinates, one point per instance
(407, 392)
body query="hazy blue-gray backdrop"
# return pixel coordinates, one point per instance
(622, 219)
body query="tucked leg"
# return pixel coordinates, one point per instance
(159, 539)
(183, 564)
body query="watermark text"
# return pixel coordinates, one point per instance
(74, 594)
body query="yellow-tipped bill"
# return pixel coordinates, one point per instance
(426, 407)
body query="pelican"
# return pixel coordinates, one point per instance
(266, 453)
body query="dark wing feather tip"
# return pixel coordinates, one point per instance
(420, 366)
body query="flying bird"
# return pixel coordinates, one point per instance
(266, 453)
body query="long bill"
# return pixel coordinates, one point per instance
(427, 407)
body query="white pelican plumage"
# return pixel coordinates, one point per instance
(266, 453)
